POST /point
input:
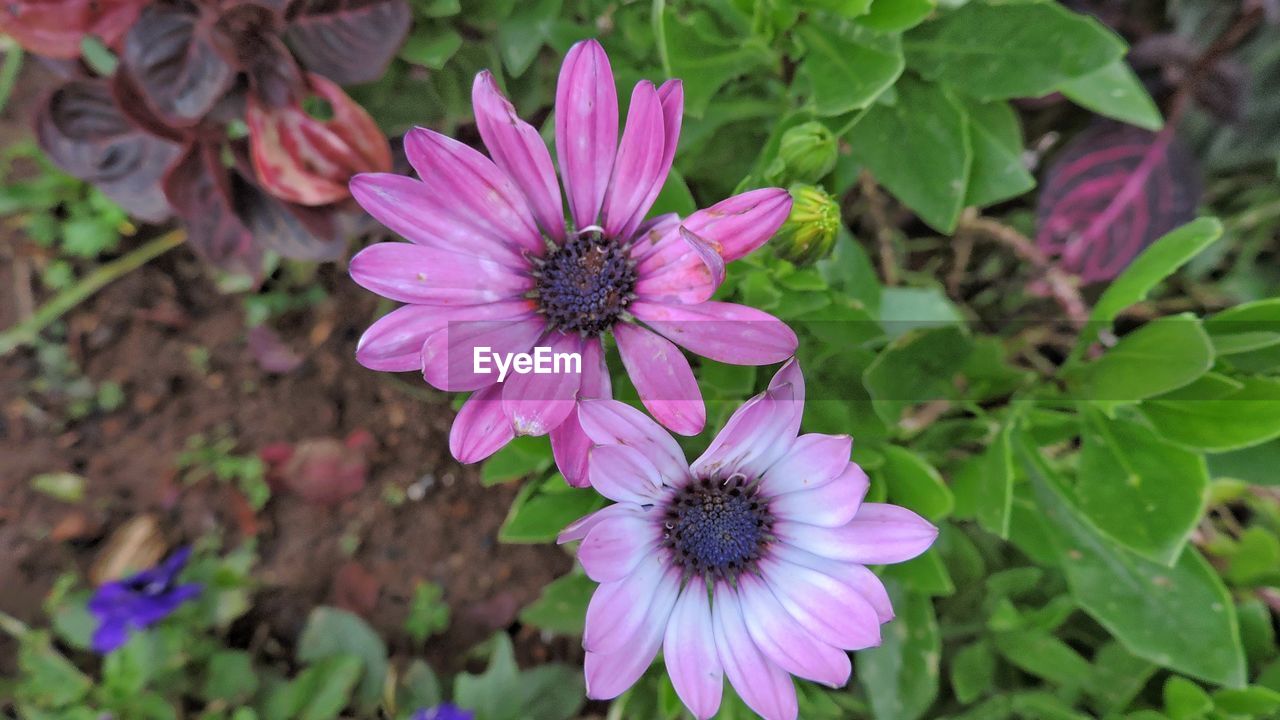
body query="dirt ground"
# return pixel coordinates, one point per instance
(178, 348)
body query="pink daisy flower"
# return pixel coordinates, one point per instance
(493, 262)
(750, 563)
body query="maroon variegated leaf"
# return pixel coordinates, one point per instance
(347, 41)
(294, 231)
(1111, 192)
(171, 54)
(56, 28)
(250, 33)
(199, 188)
(305, 160)
(81, 129)
(271, 352)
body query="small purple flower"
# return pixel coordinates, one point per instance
(750, 563)
(443, 711)
(139, 601)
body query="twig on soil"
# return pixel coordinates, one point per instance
(878, 217)
(961, 251)
(9, 74)
(28, 329)
(1062, 285)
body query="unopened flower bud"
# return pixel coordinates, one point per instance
(308, 160)
(807, 153)
(810, 230)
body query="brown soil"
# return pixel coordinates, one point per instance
(149, 332)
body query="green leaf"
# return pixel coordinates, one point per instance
(1012, 49)
(848, 8)
(1255, 701)
(1139, 489)
(1043, 655)
(915, 368)
(525, 455)
(700, 53)
(48, 678)
(1255, 559)
(896, 15)
(420, 687)
(847, 66)
(230, 677)
(522, 35)
(1156, 263)
(1256, 464)
(1248, 416)
(973, 672)
(1249, 335)
(431, 50)
(924, 575)
(1185, 700)
(1116, 92)
(914, 483)
(332, 632)
(428, 613)
(674, 197)
(995, 484)
(562, 607)
(1161, 356)
(322, 691)
(1117, 676)
(492, 694)
(903, 309)
(998, 172)
(537, 517)
(928, 125)
(64, 486)
(1180, 617)
(900, 677)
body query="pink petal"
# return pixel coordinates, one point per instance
(759, 432)
(609, 422)
(623, 474)
(724, 332)
(638, 163)
(481, 427)
(569, 441)
(655, 233)
(879, 534)
(464, 178)
(663, 378)
(858, 577)
(449, 354)
(830, 505)
(762, 685)
(408, 207)
(579, 528)
(537, 403)
(394, 341)
(586, 128)
(689, 649)
(733, 227)
(824, 606)
(616, 545)
(672, 95)
(622, 612)
(785, 641)
(814, 460)
(609, 675)
(427, 276)
(516, 147)
(689, 277)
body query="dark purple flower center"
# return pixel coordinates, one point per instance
(585, 284)
(717, 528)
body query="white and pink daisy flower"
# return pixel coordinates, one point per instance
(493, 262)
(750, 563)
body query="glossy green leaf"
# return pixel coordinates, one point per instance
(897, 15)
(1248, 335)
(537, 517)
(1006, 50)
(703, 57)
(1249, 416)
(331, 632)
(973, 670)
(847, 66)
(1180, 617)
(1161, 356)
(1043, 655)
(562, 607)
(1139, 489)
(1116, 92)
(998, 171)
(915, 368)
(914, 483)
(929, 125)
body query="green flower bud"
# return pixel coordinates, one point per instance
(810, 231)
(807, 152)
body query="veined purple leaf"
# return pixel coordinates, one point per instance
(1111, 192)
(83, 131)
(347, 41)
(294, 231)
(250, 33)
(172, 57)
(200, 191)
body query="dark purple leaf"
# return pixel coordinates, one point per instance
(1167, 62)
(347, 41)
(171, 54)
(82, 131)
(250, 33)
(199, 189)
(294, 231)
(1111, 192)
(272, 354)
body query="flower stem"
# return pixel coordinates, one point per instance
(12, 626)
(26, 331)
(9, 74)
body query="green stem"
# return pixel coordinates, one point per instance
(12, 626)
(26, 331)
(9, 74)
